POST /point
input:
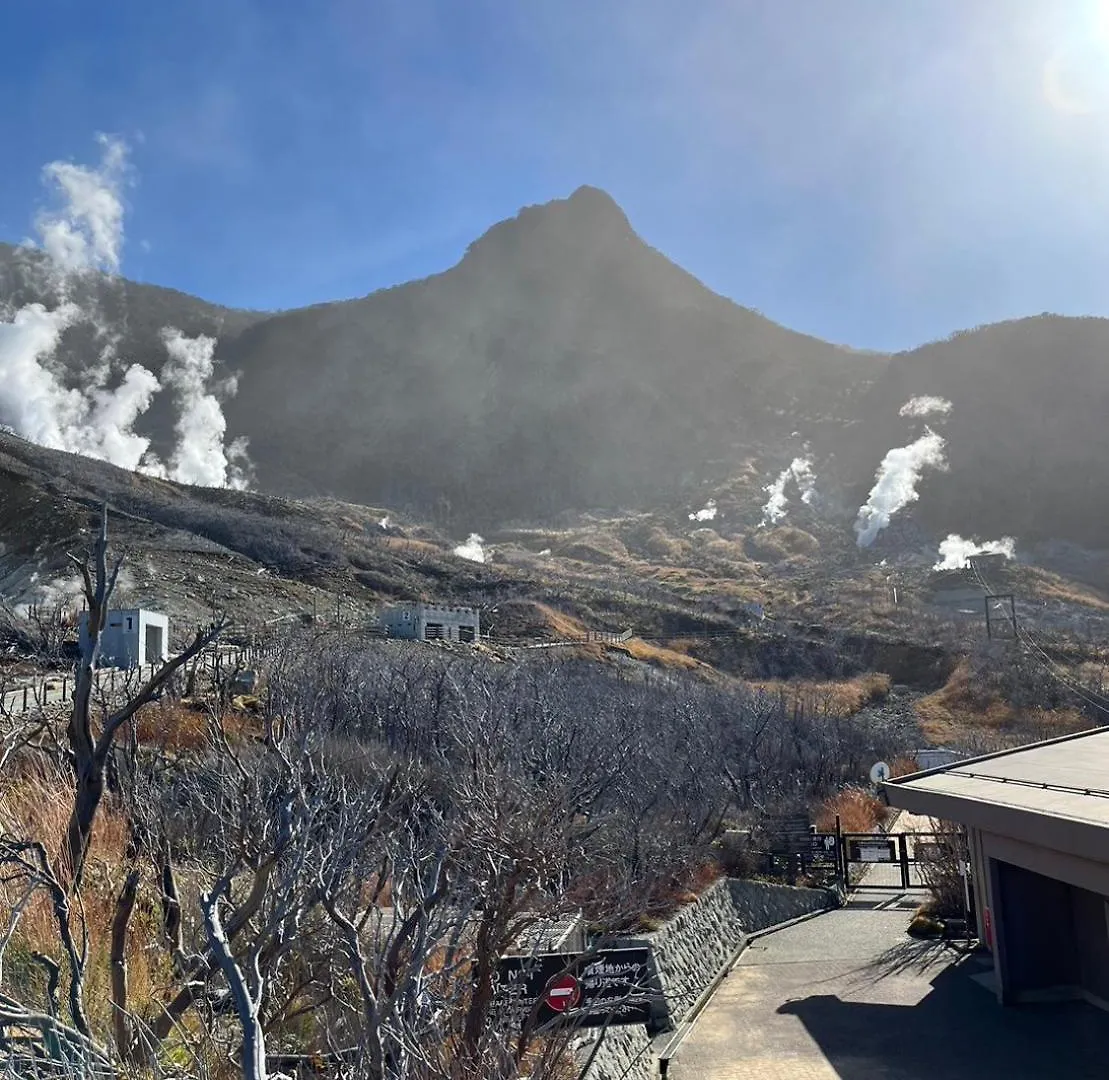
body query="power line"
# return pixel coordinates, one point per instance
(1052, 667)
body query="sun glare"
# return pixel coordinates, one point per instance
(1076, 73)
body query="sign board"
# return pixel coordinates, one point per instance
(608, 986)
(787, 834)
(873, 850)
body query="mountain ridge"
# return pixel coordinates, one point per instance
(564, 364)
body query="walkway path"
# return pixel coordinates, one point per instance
(56, 689)
(849, 996)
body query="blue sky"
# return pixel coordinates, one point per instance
(878, 173)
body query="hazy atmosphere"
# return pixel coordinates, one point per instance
(876, 174)
(554, 540)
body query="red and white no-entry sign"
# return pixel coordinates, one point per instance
(562, 993)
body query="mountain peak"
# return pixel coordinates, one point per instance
(594, 200)
(588, 216)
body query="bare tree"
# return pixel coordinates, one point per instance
(38, 630)
(340, 873)
(91, 750)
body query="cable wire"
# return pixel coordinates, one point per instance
(1052, 667)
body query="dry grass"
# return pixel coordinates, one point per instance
(531, 620)
(654, 542)
(712, 543)
(172, 726)
(37, 807)
(904, 765)
(183, 725)
(593, 546)
(859, 811)
(692, 583)
(668, 897)
(959, 704)
(782, 543)
(659, 655)
(963, 706)
(561, 624)
(405, 546)
(1048, 586)
(841, 697)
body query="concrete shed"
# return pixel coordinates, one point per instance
(424, 622)
(1038, 824)
(132, 637)
(936, 757)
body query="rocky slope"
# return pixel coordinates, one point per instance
(562, 364)
(565, 365)
(1027, 439)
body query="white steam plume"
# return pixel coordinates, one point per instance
(895, 484)
(955, 551)
(706, 513)
(926, 405)
(78, 411)
(83, 233)
(473, 549)
(800, 471)
(199, 457)
(86, 231)
(32, 400)
(36, 404)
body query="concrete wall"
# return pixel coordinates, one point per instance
(411, 621)
(690, 949)
(123, 639)
(401, 621)
(449, 624)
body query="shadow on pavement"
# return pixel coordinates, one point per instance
(914, 957)
(957, 1032)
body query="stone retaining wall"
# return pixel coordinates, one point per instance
(689, 950)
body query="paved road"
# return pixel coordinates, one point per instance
(849, 996)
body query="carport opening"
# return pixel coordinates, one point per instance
(155, 644)
(1055, 937)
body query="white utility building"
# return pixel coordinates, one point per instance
(423, 622)
(132, 637)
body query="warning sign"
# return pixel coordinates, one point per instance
(608, 986)
(562, 994)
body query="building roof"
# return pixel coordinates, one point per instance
(420, 605)
(1044, 791)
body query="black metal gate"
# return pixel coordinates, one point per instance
(888, 862)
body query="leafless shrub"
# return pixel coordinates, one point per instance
(338, 873)
(941, 860)
(38, 631)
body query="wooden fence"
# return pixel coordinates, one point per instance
(58, 689)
